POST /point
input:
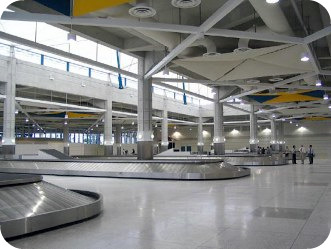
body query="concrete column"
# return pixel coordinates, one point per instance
(145, 130)
(108, 129)
(219, 138)
(165, 135)
(8, 139)
(200, 136)
(281, 138)
(274, 139)
(118, 141)
(253, 142)
(66, 140)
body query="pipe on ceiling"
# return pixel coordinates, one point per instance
(273, 17)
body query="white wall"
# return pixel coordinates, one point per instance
(317, 133)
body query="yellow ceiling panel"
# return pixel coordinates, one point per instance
(83, 7)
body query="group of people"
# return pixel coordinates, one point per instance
(263, 151)
(303, 153)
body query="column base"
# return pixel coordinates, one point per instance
(8, 149)
(219, 148)
(164, 148)
(200, 149)
(66, 150)
(108, 150)
(118, 150)
(253, 148)
(145, 150)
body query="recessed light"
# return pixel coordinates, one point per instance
(272, 1)
(319, 83)
(304, 57)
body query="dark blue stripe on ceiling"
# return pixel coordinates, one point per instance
(315, 94)
(262, 98)
(62, 6)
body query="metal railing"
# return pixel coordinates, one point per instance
(75, 67)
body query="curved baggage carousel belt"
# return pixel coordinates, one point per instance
(28, 204)
(156, 169)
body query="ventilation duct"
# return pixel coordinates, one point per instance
(243, 44)
(273, 17)
(209, 44)
(185, 4)
(142, 10)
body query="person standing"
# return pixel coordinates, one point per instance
(311, 154)
(302, 151)
(294, 155)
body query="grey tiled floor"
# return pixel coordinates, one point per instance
(286, 207)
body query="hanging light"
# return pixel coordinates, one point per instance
(304, 57)
(122, 127)
(65, 122)
(319, 83)
(71, 37)
(26, 120)
(291, 122)
(133, 123)
(166, 71)
(66, 116)
(96, 125)
(155, 125)
(326, 97)
(16, 111)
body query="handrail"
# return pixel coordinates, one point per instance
(91, 70)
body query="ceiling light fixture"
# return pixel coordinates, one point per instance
(326, 97)
(272, 1)
(319, 83)
(71, 37)
(304, 57)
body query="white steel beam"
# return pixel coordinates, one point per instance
(27, 101)
(207, 25)
(255, 36)
(160, 81)
(278, 84)
(132, 24)
(318, 35)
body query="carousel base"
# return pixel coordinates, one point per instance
(28, 204)
(202, 169)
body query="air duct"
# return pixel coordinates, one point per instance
(142, 10)
(209, 44)
(243, 44)
(185, 4)
(273, 17)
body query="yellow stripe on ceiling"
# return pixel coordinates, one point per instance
(80, 115)
(317, 118)
(83, 7)
(291, 98)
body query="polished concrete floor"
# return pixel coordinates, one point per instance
(276, 208)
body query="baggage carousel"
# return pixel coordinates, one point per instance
(237, 159)
(199, 169)
(28, 204)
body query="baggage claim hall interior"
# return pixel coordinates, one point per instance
(165, 124)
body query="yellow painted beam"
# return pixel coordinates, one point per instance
(83, 7)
